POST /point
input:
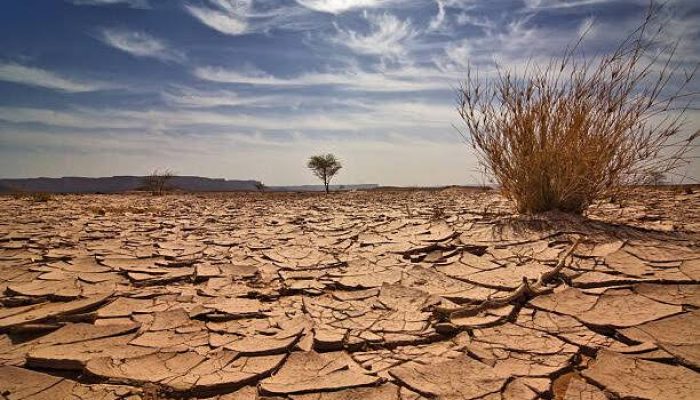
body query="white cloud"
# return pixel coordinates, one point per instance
(239, 17)
(368, 115)
(69, 119)
(511, 44)
(37, 77)
(387, 36)
(553, 4)
(226, 16)
(394, 80)
(188, 97)
(436, 22)
(340, 6)
(192, 98)
(139, 44)
(131, 3)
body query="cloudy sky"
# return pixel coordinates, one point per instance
(251, 88)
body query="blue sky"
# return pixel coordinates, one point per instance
(251, 88)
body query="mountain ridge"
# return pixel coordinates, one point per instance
(126, 183)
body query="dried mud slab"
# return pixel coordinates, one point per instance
(283, 296)
(393, 316)
(314, 372)
(41, 312)
(74, 356)
(579, 389)
(24, 384)
(678, 335)
(383, 392)
(628, 377)
(186, 372)
(461, 378)
(618, 308)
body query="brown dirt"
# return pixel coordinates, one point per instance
(359, 295)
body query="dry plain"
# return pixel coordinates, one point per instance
(382, 295)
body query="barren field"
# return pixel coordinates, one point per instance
(358, 295)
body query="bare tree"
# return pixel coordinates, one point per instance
(563, 135)
(157, 181)
(325, 167)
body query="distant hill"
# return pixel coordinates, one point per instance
(115, 184)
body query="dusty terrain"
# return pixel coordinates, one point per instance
(368, 295)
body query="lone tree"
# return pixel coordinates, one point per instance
(260, 186)
(563, 135)
(325, 167)
(157, 181)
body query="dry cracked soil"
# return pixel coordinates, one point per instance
(387, 295)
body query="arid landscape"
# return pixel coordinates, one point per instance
(387, 295)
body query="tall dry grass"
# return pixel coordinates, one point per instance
(563, 135)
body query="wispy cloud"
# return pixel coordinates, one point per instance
(192, 98)
(69, 119)
(226, 16)
(131, 3)
(511, 44)
(37, 77)
(368, 115)
(394, 80)
(340, 6)
(387, 36)
(553, 4)
(139, 44)
(240, 17)
(439, 18)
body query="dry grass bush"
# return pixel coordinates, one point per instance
(41, 197)
(157, 181)
(576, 130)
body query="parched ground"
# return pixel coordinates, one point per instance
(367, 295)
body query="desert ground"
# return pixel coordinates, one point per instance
(387, 295)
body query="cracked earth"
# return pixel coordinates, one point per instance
(360, 295)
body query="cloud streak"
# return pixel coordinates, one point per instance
(31, 76)
(192, 98)
(345, 116)
(436, 22)
(395, 80)
(387, 37)
(340, 6)
(139, 44)
(226, 16)
(240, 17)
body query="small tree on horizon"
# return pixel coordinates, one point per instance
(260, 186)
(324, 167)
(157, 181)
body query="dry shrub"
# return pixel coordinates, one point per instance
(157, 181)
(39, 197)
(563, 135)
